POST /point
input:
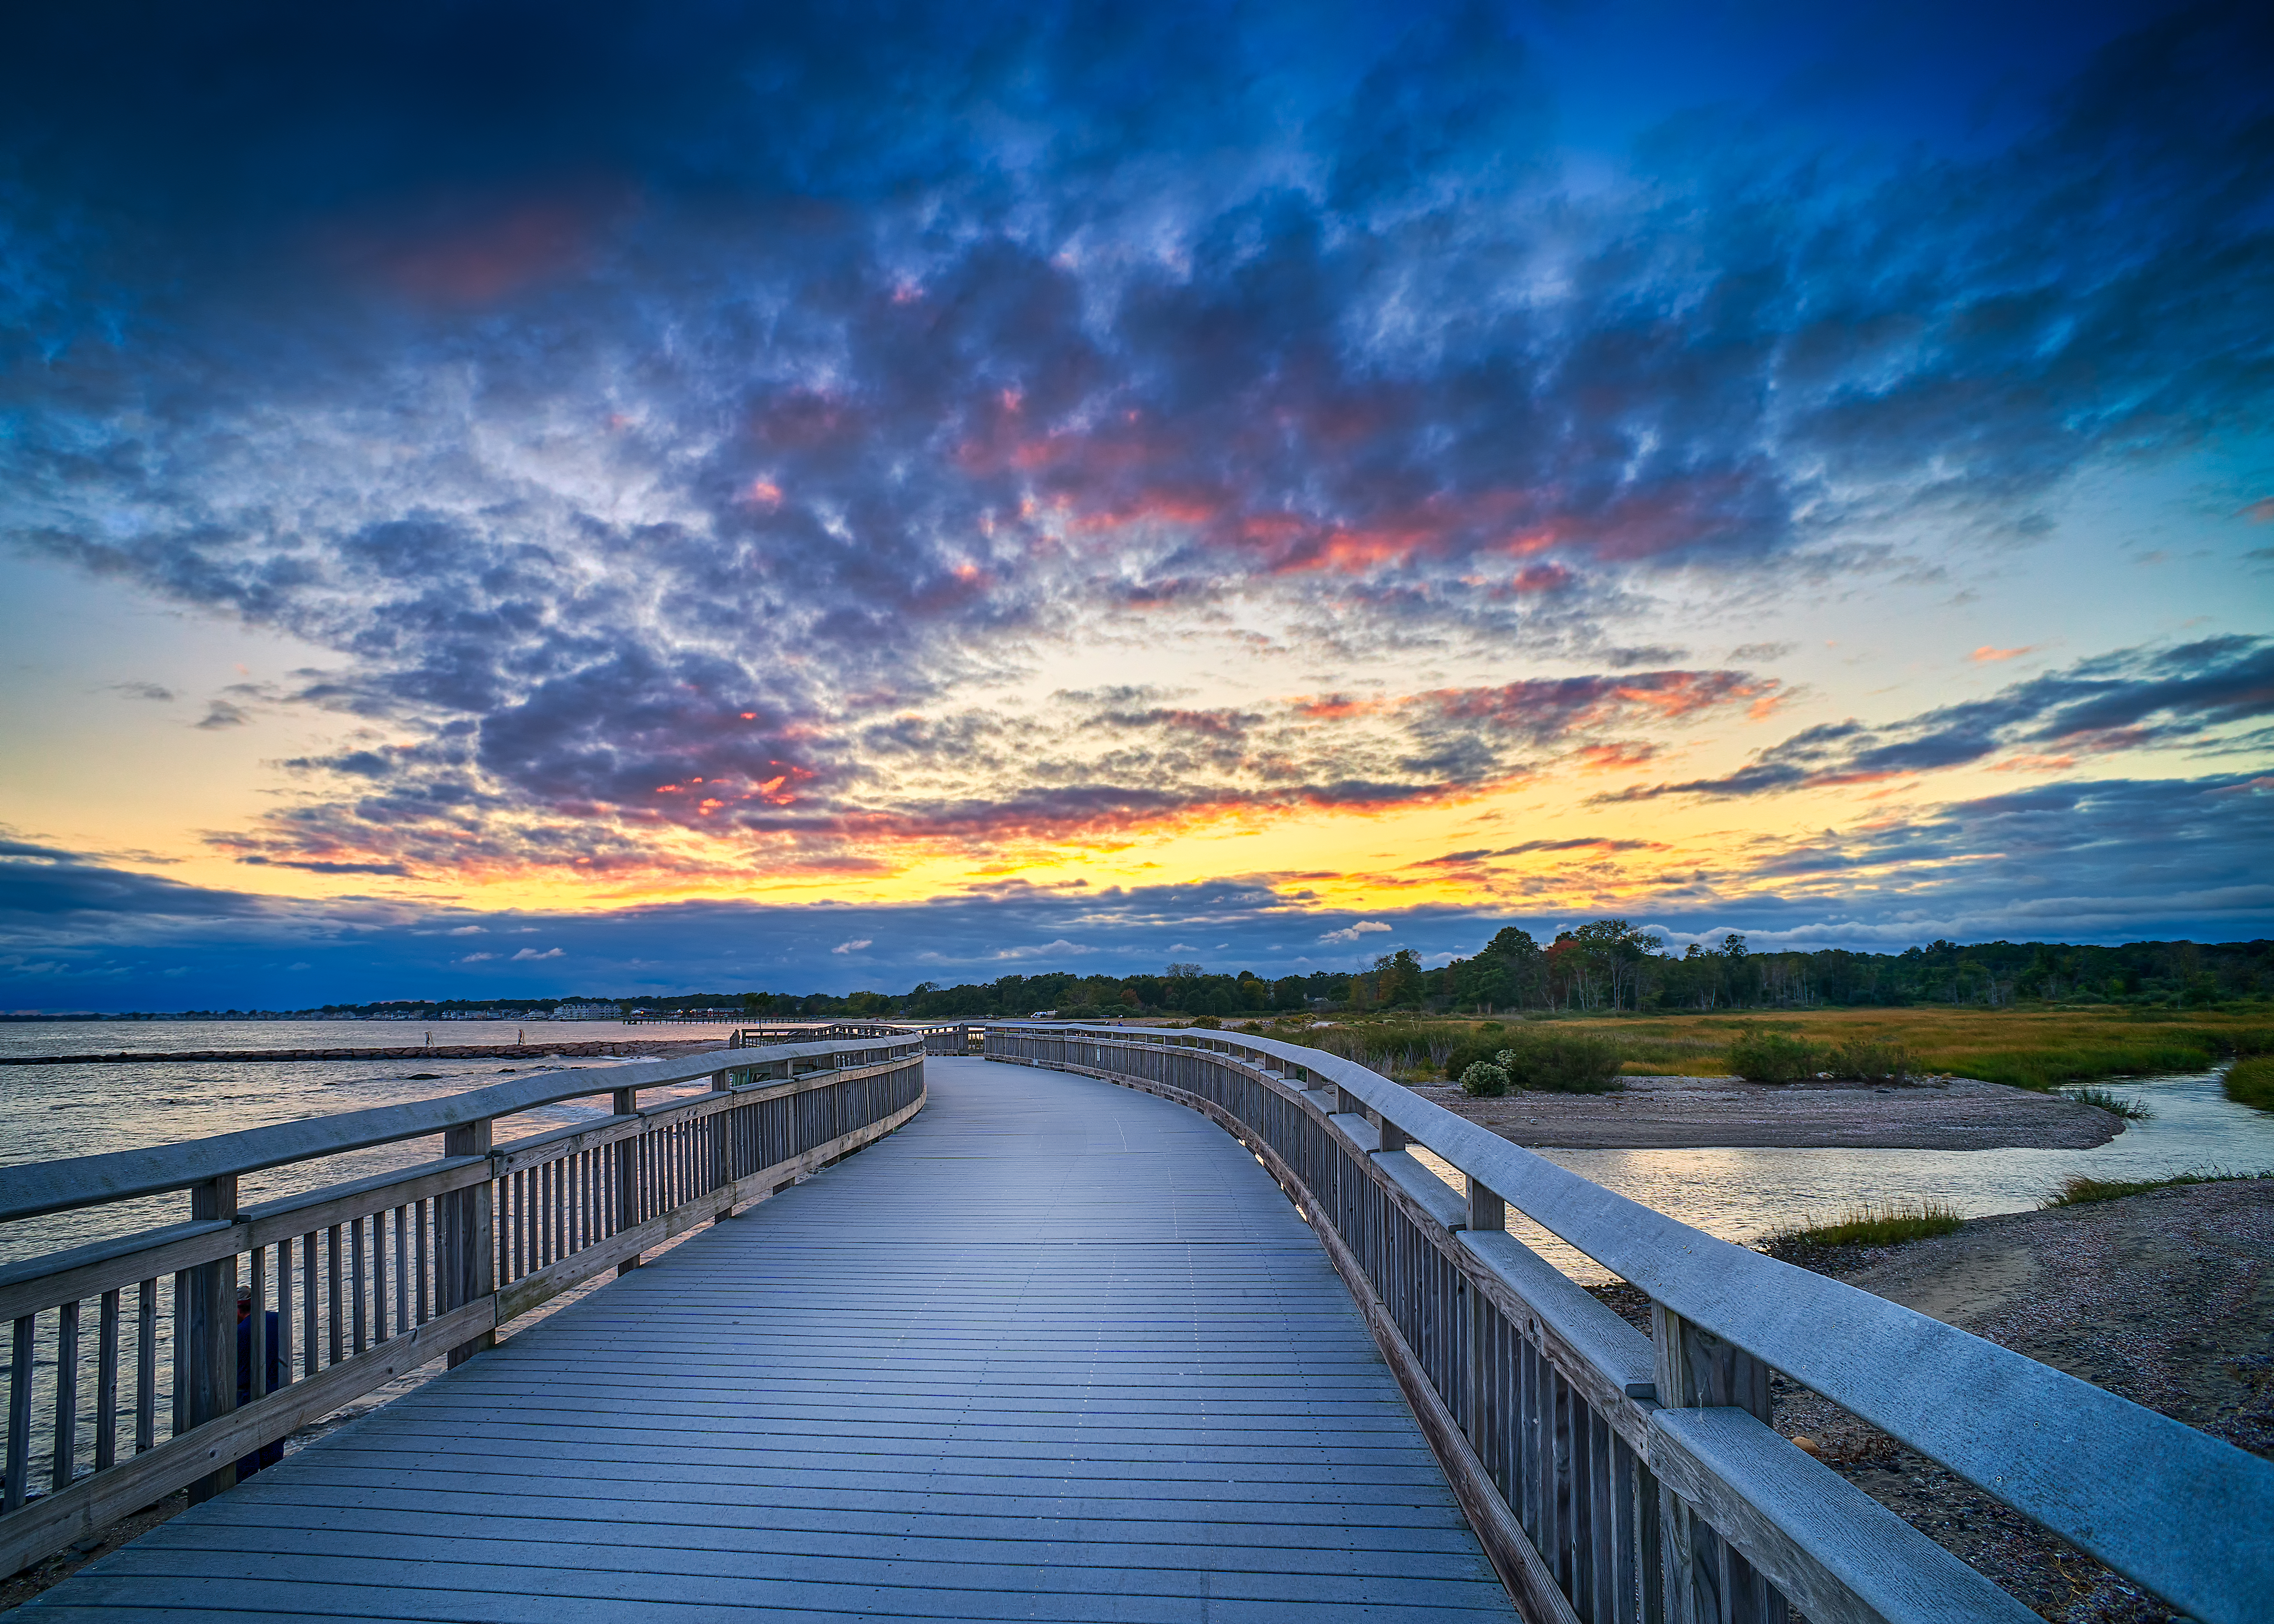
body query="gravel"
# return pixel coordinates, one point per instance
(2165, 1298)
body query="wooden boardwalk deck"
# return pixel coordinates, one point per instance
(1055, 1351)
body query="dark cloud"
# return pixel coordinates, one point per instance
(2105, 861)
(644, 404)
(2132, 699)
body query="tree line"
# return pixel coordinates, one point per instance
(1602, 967)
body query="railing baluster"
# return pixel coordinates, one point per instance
(356, 1268)
(257, 1341)
(105, 1383)
(336, 1267)
(145, 1366)
(20, 1410)
(63, 1459)
(284, 1310)
(312, 1303)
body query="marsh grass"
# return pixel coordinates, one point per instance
(1870, 1225)
(2251, 1082)
(2028, 1048)
(2114, 1104)
(2078, 1190)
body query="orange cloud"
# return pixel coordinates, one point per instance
(1988, 656)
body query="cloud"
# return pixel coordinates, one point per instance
(531, 400)
(852, 946)
(1987, 655)
(146, 691)
(480, 958)
(466, 930)
(2132, 699)
(531, 952)
(1352, 933)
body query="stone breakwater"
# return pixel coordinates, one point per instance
(621, 1049)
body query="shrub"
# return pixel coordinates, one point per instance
(1209, 1022)
(1872, 1226)
(1765, 1054)
(1561, 1062)
(1484, 1079)
(1466, 1054)
(2251, 1082)
(1869, 1062)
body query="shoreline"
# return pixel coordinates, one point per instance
(1728, 1113)
(596, 1048)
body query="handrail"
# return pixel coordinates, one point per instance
(2151, 1497)
(355, 1284)
(30, 1190)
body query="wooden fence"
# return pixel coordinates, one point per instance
(1620, 1478)
(372, 1278)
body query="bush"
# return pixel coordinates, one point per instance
(1764, 1055)
(1561, 1062)
(1484, 1079)
(1869, 1062)
(1209, 1023)
(2251, 1082)
(1466, 1054)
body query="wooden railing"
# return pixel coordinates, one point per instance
(1616, 1477)
(372, 1278)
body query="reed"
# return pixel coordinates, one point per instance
(2079, 1190)
(2251, 1082)
(1890, 1224)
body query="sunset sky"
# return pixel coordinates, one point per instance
(515, 498)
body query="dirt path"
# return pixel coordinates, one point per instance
(2165, 1298)
(1673, 1113)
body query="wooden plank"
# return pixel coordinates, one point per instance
(2143, 1493)
(1841, 1556)
(1052, 1348)
(92, 1503)
(32, 1189)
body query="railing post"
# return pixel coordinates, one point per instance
(722, 1161)
(461, 1218)
(1704, 1580)
(207, 1334)
(1487, 1211)
(625, 1102)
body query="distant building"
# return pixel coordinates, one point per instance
(587, 1011)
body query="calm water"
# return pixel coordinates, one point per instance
(49, 1111)
(76, 1110)
(1741, 1195)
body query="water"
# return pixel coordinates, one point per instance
(1742, 1195)
(83, 1109)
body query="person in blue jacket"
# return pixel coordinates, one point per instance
(267, 1455)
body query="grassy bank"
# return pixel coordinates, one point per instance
(2251, 1082)
(1868, 1225)
(2029, 1048)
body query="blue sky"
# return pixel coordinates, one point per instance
(680, 491)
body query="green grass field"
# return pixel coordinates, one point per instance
(2029, 1048)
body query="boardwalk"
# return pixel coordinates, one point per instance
(1056, 1350)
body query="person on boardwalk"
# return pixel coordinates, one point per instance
(267, 1455)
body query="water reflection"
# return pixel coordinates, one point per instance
(83, 1109)
(1741, 1195)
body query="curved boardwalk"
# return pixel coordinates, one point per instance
(1055, 1351)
